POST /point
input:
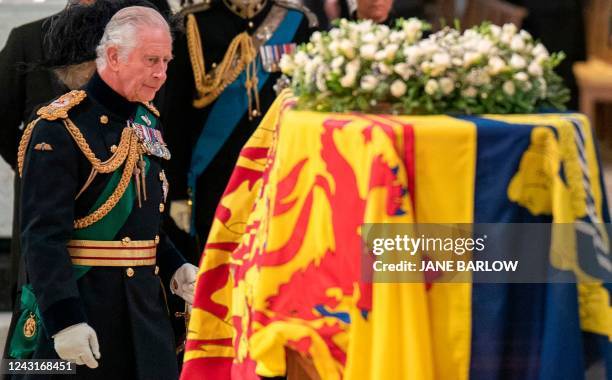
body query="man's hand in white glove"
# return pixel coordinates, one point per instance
(183, 282)
(78, 344)
(180, 212)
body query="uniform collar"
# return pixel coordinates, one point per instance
(246, 9)
(107, 97)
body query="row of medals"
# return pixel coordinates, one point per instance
(152, 144)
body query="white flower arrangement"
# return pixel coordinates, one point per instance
(363, 66)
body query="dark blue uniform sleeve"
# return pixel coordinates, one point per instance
(49, 187)
(169, 259)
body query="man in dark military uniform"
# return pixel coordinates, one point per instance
(220, 84)
(93, 195)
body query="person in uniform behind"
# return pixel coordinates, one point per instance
(219, 86)
(25, 87)
(93, 195)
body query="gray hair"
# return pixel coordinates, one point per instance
(122, 31)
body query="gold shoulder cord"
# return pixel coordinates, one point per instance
(128, 152)
(240, 54)
(133, 153)
(151, 108)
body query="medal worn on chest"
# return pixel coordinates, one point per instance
(151, 140)
(272, 54)
(165, 184)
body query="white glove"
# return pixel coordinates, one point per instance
(183, 282)
(180, 212)
(78, 344)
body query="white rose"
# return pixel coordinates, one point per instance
(334, 33)
(517, 62)
(384, 69)
(510, 29)
(509, 87)
(403, 70)
(540, 50)
(334, 47)
(398, 88)
(368, 38)
(300, 58)
(447, 85)
(431, 87)
(495, 30)
(347, 48)
(380, 55)
(470, 34)
(413, 54)
(382, 32)
(517, 43)
(470, 92)
(535, 69)
(350, 77)
(390, 51)
(348, 80)
(457, 62)
(525, 35)
(484, 46)
(286, 64)
(441, 60)
(397, 36)
(368, 51)
(521, 76)
(412, 28)
(364, 26)
(496, 65)
(337, 63)
(353, 66)
(316, 37)
(369, 83)
(470, 58)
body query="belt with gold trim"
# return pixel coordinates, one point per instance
(112, 253)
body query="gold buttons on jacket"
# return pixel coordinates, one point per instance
(129, 272)
(161, 207)
(251, 24)
(126, 240)
(104, 119)
(156, 270)
(156, 239)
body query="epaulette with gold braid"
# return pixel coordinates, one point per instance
(151, 108)
(59, 108)
(194, 7)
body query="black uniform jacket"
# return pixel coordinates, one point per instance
(125, 306)
(217, 26)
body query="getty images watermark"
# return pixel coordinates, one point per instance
(485, 253)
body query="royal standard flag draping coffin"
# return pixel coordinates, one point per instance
(281, 269)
